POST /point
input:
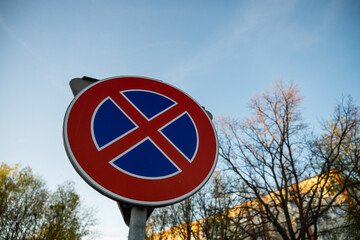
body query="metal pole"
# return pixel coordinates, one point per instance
(137, 223)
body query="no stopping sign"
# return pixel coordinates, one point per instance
(140, 141)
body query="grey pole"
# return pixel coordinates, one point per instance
(137, 223)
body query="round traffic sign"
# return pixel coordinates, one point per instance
(140, 141)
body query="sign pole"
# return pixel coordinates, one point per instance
(137, 223)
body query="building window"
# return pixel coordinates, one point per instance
(338, 210)
(298, 223)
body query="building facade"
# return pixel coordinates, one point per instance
(250, 221)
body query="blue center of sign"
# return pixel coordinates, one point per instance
(181, 132)
(145, 159)
(149, 103)
(110, 123)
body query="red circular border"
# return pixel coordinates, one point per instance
(93, 165)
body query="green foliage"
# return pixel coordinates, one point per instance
(28, 210)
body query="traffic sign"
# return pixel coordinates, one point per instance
(140, 141)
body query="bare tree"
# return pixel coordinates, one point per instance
(182, 217)
(206, 215)
(174, 221)
(214, 206)
(272, 152)
(339, 149)
(158, 223)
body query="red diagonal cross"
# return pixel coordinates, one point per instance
(145, 129)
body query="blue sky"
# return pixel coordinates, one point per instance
(219, 52)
